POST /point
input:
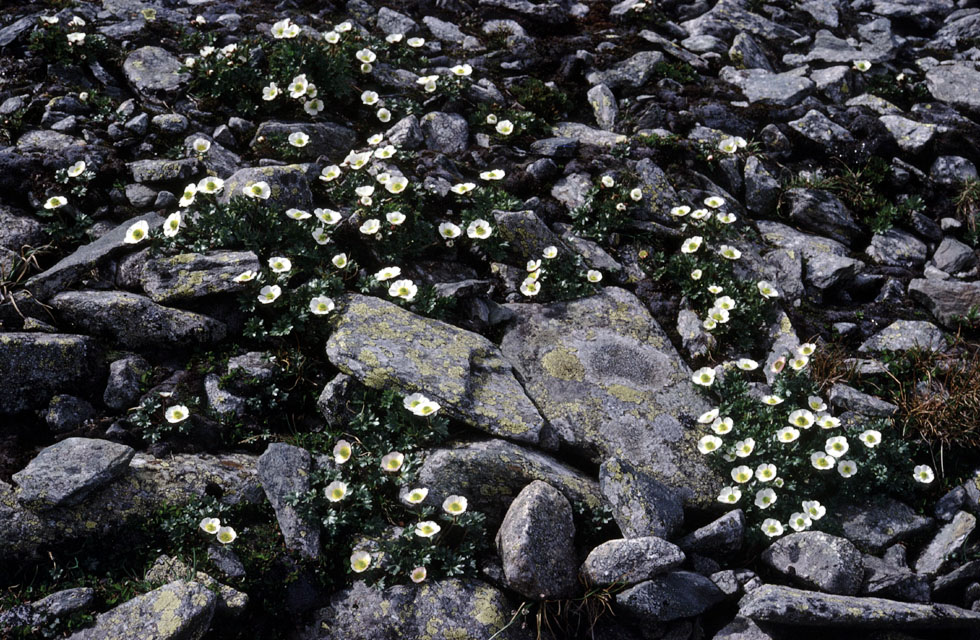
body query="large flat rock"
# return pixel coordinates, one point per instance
(386, 346)
(606, 377)
(35, 366)
(67, 471)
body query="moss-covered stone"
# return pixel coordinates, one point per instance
(35, 366)
(189, 276)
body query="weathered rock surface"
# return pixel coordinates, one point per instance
(817, 560)
(946, 300)
(67, 471)
(383, 345)
(680, 594)
(35, 366)
(189, 276)
(154, 71)
(284, 469)
(630, 560)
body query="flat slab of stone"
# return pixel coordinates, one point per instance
(786, 605)
(903, 335)
(326, 138)
(606, 377)
(876, 524)
(630, 560)
(818, 561)
(179, 610)
(957, 84)
(153, 70)
(164, 170)
(67, 471)
(385, 346)
(284, 469)
(66, 271)
(189, 276)
(729, 17)
(36, 366)
(135, 322)
(947, 300)
(758, 85)
(942, 549)
(681, 594)
(288, 184)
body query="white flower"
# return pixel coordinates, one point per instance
(366, 55)
(269, 293)
(259, 190)
(593, 276)
(680, 211)
(705, 376)
(822, 461)
(313, 107)
(505, 127)
(787, 434)
(376, 139)
(416, 496)
(449, 231)
(746, 364)
(388, 273)
(767, 290)
(418, 574)
(728, 145)
(772, 400)
(370, 226)
(493, 174)
(327, 216)
(696, 274)
(636, 194)
(297, 88)
(369, 97)
(708, 416)
(721, 426)
(798, 363)
(210, 185)
(405, 289)
(836, 446)
(550, 252)
(802, 418)
(393, 38)
(816, 403)
(210, 525)
(709, 324)
(730, 495)
(454, 505)
(177, 413)
(800, 522)
(700, 214)
(336, 491)
(765, 498)
(76, 169)
(714, 202)
(330, 173)
(607, 181)
(923, 473)
(76, 38)
(491, 119)
(862, 65)
(726, 218)
(137, 232)
(871, 438)
(284, 29)
(393, 461)
(321, 305)
(321, 236)
(396, 185)
(226, 535)
(709, 443)
(742, 474)
(360, 561)
(331, 37)
(691, 244)
(365, 192)
(298, 139)
(461, 70)
(246, 276)
(339, 260)
(772, 527)
(479, 229)
(847, 468)
(187, 198)
(172, 224)
(427, 529)
(383, 114)
(343, 27)
(395, 217)
(806, 349)
(415, 42)
(462, 187)
(341, 452)
(814, 509)
(201, 145)
(765, 472)
(729, 252)
(298, 214)
(357, 160)
(744, 448)
(55, 202)
(279, 264)
(827, 421)
(530, 287)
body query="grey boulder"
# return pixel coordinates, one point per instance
(67, 471)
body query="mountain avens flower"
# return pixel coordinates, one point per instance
(392, 462)
(339, 260)
(801, 418)
(383, 114)
(360, 561)
(549, 252)
(746, 364)
(336, 491)
(404, 289)
(772, 527)
(530, 287)
(462, 187)
(461, 70)
(454, 505)
(709, 443)
(270, 92)
(593, 276)
(177, 413)
(329, 173)
(708, 416)
(714, 202)
(871, 438)
(787, 434)
(55, 202)
(415, 42)
(742, 474)
(298, 214)
(269, 293)
(76, 169)
(680, 211)
(201, 145)
(721, 426)
(226, 535)
(259, 190)
(505, 127)
(172, 224)
(772, 400)
(692, 244)
(494, 174)
(822, 461)
(298, 139)
(705, 376)
(479, 229)
(847, 468)
(730, 495)
(246, 276)
(767, 290)
(744, 448)
(210, 525)
(279, 264)
(137, 232)
(765, 472)
(449, 231)
(370, 226)
(923, 473)
(814, 509)
(827, 421)
(427, 529)
(765, 498)
(415, 496)
(729, 252)
(210, 185)
(816, 403)
(321, 305)
(862, 65)
(341, 452)
(418, 574)
(836, 446)
(800, 522)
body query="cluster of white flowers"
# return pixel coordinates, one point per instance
(732, 144)
(225, 535)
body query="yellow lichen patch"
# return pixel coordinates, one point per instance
(562, 363)
(485, 611)
(165, 606)
(627, 394)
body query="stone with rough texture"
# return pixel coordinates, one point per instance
(35, 366)
(890, 577)
(903, 335)
(743, 629)
(125, 378)
(491, 472)
(897, 248)
(911, 136)
(658, 194)
(628, 561)
(386, 346)
(826, 261)
(634, 72)
(179, 610)
(957, 83)
(604, 106)
(17, 230)
(67, 270)
(780, 89)
(67, 471)
(796, 607)
(846, 398)
(166, 569)
(641, 505)
(818, 561)
(729, 17)
(154, 71)
(147, 484)
(953, 256)
(536, 544)
(717, 538)
(818, 128)
(588, 136)
(821, 212)
(189, 276)
(326, 139)
(879, 523)
(288, 184)
(680, 594)
(445, 132)
(444, 610)
(946, 544)
(135, 322)
(66, 413)
(606, 377)
(164, 170)
(284, 469)
(947, 300)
